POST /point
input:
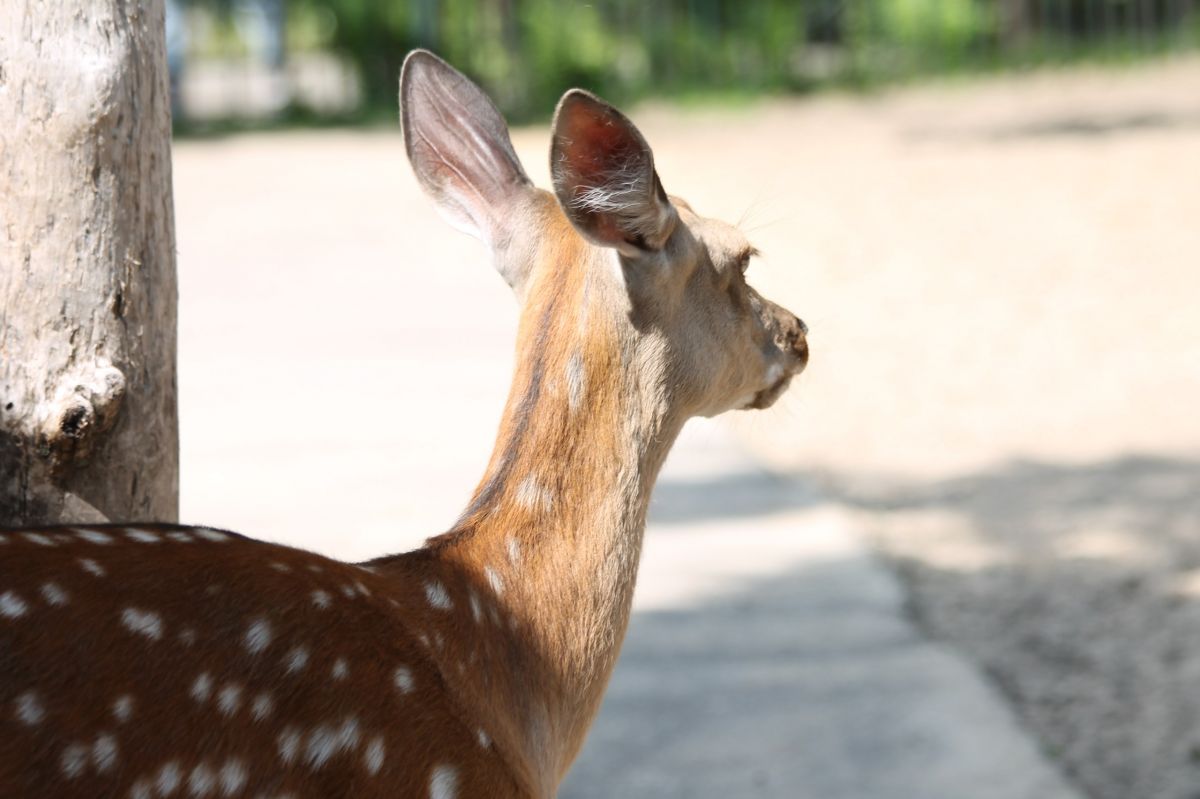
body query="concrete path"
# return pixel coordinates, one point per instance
(770, 656)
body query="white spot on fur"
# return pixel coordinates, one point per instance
(54, 595)
(531, 496)
(104, 752)
(494, 580)
(373, 756)
(143, 622)
(435, 592)
(74, 759)
(280, 567)
(443, 783)
(362, 589)
(476, 610)
(202, 687)
(209, 534)
(180, 537)
(141, 536)
(168, 779)
(29, 709)
(141, 790)
(289, 745)
(232, 777)
(122, 708)
(12, 606)
(484, 740)
(324, 742)
(314, 568)
(94, 536)
(39, 539)
(262, 706)
(340, 669)
(202, 780)
(229, 698)
(187, 636)
(321, 598)
(258, 635)
(576, 381)
(92, 567)
(514, 550)
(403, 678)
(296, 659)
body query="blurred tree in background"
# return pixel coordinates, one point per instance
(526, 52)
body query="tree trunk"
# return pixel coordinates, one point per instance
(88, 420)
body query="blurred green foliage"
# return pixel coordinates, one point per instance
(526, 52)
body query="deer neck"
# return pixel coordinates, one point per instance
(554, 531)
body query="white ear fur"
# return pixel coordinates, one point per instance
(604, 177)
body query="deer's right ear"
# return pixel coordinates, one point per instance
(459, 147)
(604, 177)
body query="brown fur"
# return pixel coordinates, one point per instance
(79, 659)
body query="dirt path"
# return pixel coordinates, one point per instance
(1001, 281)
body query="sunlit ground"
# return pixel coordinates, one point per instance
(1000, 278)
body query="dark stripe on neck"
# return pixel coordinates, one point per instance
(497, 481)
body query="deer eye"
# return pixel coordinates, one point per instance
(744, 259)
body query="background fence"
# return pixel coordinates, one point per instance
(527, 51)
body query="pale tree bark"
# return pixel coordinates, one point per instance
(88, 424)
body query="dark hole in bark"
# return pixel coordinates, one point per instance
(74, 421)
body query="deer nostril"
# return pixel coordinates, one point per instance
(803, 327)
(800, 347)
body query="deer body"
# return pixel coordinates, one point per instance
(150, 660)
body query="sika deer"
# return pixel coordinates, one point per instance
(157, 661)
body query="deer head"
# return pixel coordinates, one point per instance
(672, 282)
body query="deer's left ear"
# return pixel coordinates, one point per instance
(460, 151)
(604, 177)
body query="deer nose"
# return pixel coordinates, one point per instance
(796, 339)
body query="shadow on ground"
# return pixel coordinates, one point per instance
(790, 668)
(808, 685)
(740, 495)
(1076, 126)
(1077, 588)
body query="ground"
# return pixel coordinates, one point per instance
(1000, 277)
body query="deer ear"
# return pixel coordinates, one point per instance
(459, 147)
(604, 177)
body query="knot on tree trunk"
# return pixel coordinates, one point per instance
(85, 406)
